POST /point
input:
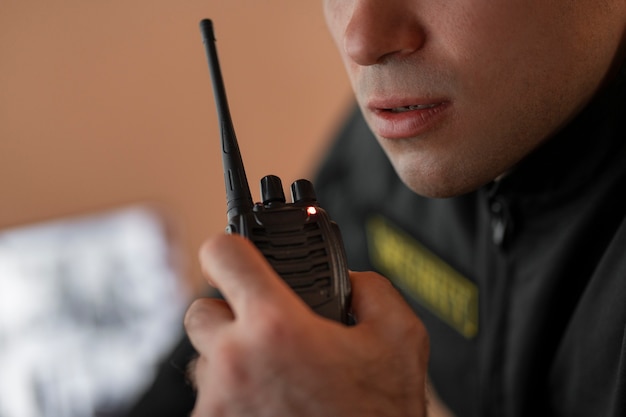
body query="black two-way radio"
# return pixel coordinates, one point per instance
(298, 239)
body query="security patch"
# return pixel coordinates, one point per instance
(424, 276)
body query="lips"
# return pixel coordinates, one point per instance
(404, 109)
(400, 119)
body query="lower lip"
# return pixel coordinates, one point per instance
(408, 124)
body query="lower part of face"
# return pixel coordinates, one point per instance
(458, 92)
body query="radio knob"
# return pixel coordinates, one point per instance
(272, 190)
(302, 191)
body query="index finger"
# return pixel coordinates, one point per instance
(243, 276)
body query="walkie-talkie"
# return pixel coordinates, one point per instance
(298, 239)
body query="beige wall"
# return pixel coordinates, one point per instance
(108, 103)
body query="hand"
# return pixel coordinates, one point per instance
(264, 353)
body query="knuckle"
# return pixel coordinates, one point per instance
(230, 363)
(195, 317)
(274, 328)
(416, 331)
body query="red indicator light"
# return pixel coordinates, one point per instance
(311, 210)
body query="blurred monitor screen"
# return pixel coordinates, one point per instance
(88, 306)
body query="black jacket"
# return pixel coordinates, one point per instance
(521, 284)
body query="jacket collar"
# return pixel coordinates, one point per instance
(574, 157)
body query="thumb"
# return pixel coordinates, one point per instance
(376, 300)
(379, 309)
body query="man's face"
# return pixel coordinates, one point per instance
(458, 91)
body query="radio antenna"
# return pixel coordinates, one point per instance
(238, 196)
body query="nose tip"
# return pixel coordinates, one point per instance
(374, 33)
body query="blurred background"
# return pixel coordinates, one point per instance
(111, 177)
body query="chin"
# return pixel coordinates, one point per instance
(439, 185)
(437, 190)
